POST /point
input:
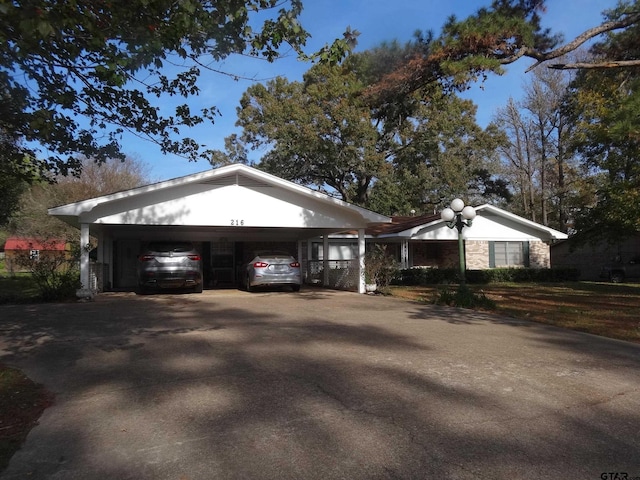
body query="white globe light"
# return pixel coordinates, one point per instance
(457, 205)
(469, 212)
(447, 215)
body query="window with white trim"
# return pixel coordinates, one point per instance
(34, 255)
(508, 254)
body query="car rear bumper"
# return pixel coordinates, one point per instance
(267, 279)
(170, 279)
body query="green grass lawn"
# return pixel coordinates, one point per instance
(606, 309)
(18, 288)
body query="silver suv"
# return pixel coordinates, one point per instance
(164, 265)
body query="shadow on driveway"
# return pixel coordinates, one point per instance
(317, 385)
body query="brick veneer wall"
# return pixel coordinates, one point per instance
(477, 254)
(443, 254)
(539, 255)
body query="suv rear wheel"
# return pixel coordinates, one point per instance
(617, 277)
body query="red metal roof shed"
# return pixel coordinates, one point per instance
(21, 244)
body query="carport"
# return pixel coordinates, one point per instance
(227, 212)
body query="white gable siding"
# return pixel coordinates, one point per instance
(436, 232)
(232, 205)
(496, 228)
(217, 198)
(482, 228)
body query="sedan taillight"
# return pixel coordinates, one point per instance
(146, 258)
(260, 265)
(195, 258)
(294, 265)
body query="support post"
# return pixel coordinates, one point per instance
(308, 271)
(463, 267)
(361, 252)
(459, 216)
(404, 253)
(325, 260)
(85, 292)
(84, 256)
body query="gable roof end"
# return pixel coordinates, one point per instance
(408, 227)
(235, 174)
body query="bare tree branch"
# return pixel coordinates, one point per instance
(541, 57)
(476, 52)
(602, 65)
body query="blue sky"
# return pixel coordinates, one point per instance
(377, 21)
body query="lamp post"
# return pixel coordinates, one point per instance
(459, 216)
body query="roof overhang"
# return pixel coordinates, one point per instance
(491, 223)
(228, 198)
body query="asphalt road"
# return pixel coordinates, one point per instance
(317, 385)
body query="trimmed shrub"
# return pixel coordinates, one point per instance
(463, 297)
(55, 277)
(426, 276)
(380, 266)
(437, 276)
(59, 283)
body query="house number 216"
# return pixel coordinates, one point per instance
(237, 223)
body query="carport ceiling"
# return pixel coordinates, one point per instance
(196, 234)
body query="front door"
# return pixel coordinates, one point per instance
(222, 264)
(126, 257)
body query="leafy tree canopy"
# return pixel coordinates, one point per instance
(438, 153)
(606, 105)
(74, 75)
(508, 30)
(318, 131)
(323, 132)
(31, 218)
(11, 185)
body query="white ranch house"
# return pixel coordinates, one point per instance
(231, 211)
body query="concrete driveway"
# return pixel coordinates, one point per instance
(317, 385)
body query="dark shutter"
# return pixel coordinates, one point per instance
(492, 254)
(525, 253)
